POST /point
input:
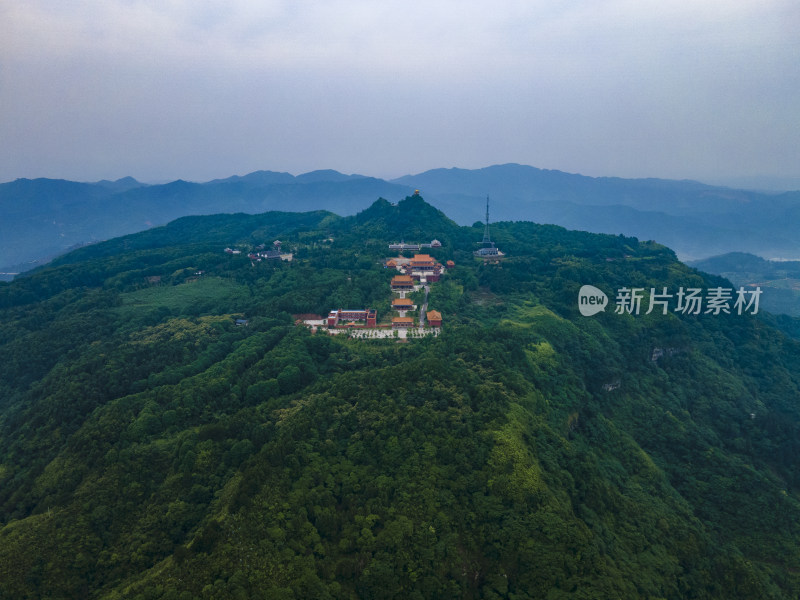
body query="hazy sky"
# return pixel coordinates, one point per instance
(193, 89)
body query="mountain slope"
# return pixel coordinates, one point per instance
(150, 446)
(695, 219)
(43, 218)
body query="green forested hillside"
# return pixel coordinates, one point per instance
(151, 448)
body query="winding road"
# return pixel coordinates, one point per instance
(424, 307)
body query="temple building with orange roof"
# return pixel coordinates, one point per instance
(402, 304)
(422, 262)
(402, 283)
(434, 318)
(436, 274)
(402, 322)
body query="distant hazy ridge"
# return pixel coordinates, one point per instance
(42, 218)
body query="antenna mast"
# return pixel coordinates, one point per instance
(489, 252)
(486, 239)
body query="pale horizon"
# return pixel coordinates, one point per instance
(162, 91)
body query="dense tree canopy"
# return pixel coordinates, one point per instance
(150, 447)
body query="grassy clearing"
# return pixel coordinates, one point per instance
(185, 298)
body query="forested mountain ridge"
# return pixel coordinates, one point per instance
(695, 219)
(42, 218)
(152, 448)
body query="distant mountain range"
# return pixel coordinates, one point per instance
(694, 219)
(42, 218)
(779, 280)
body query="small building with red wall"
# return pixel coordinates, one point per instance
(434, 318)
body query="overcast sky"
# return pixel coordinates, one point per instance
(193, 89)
